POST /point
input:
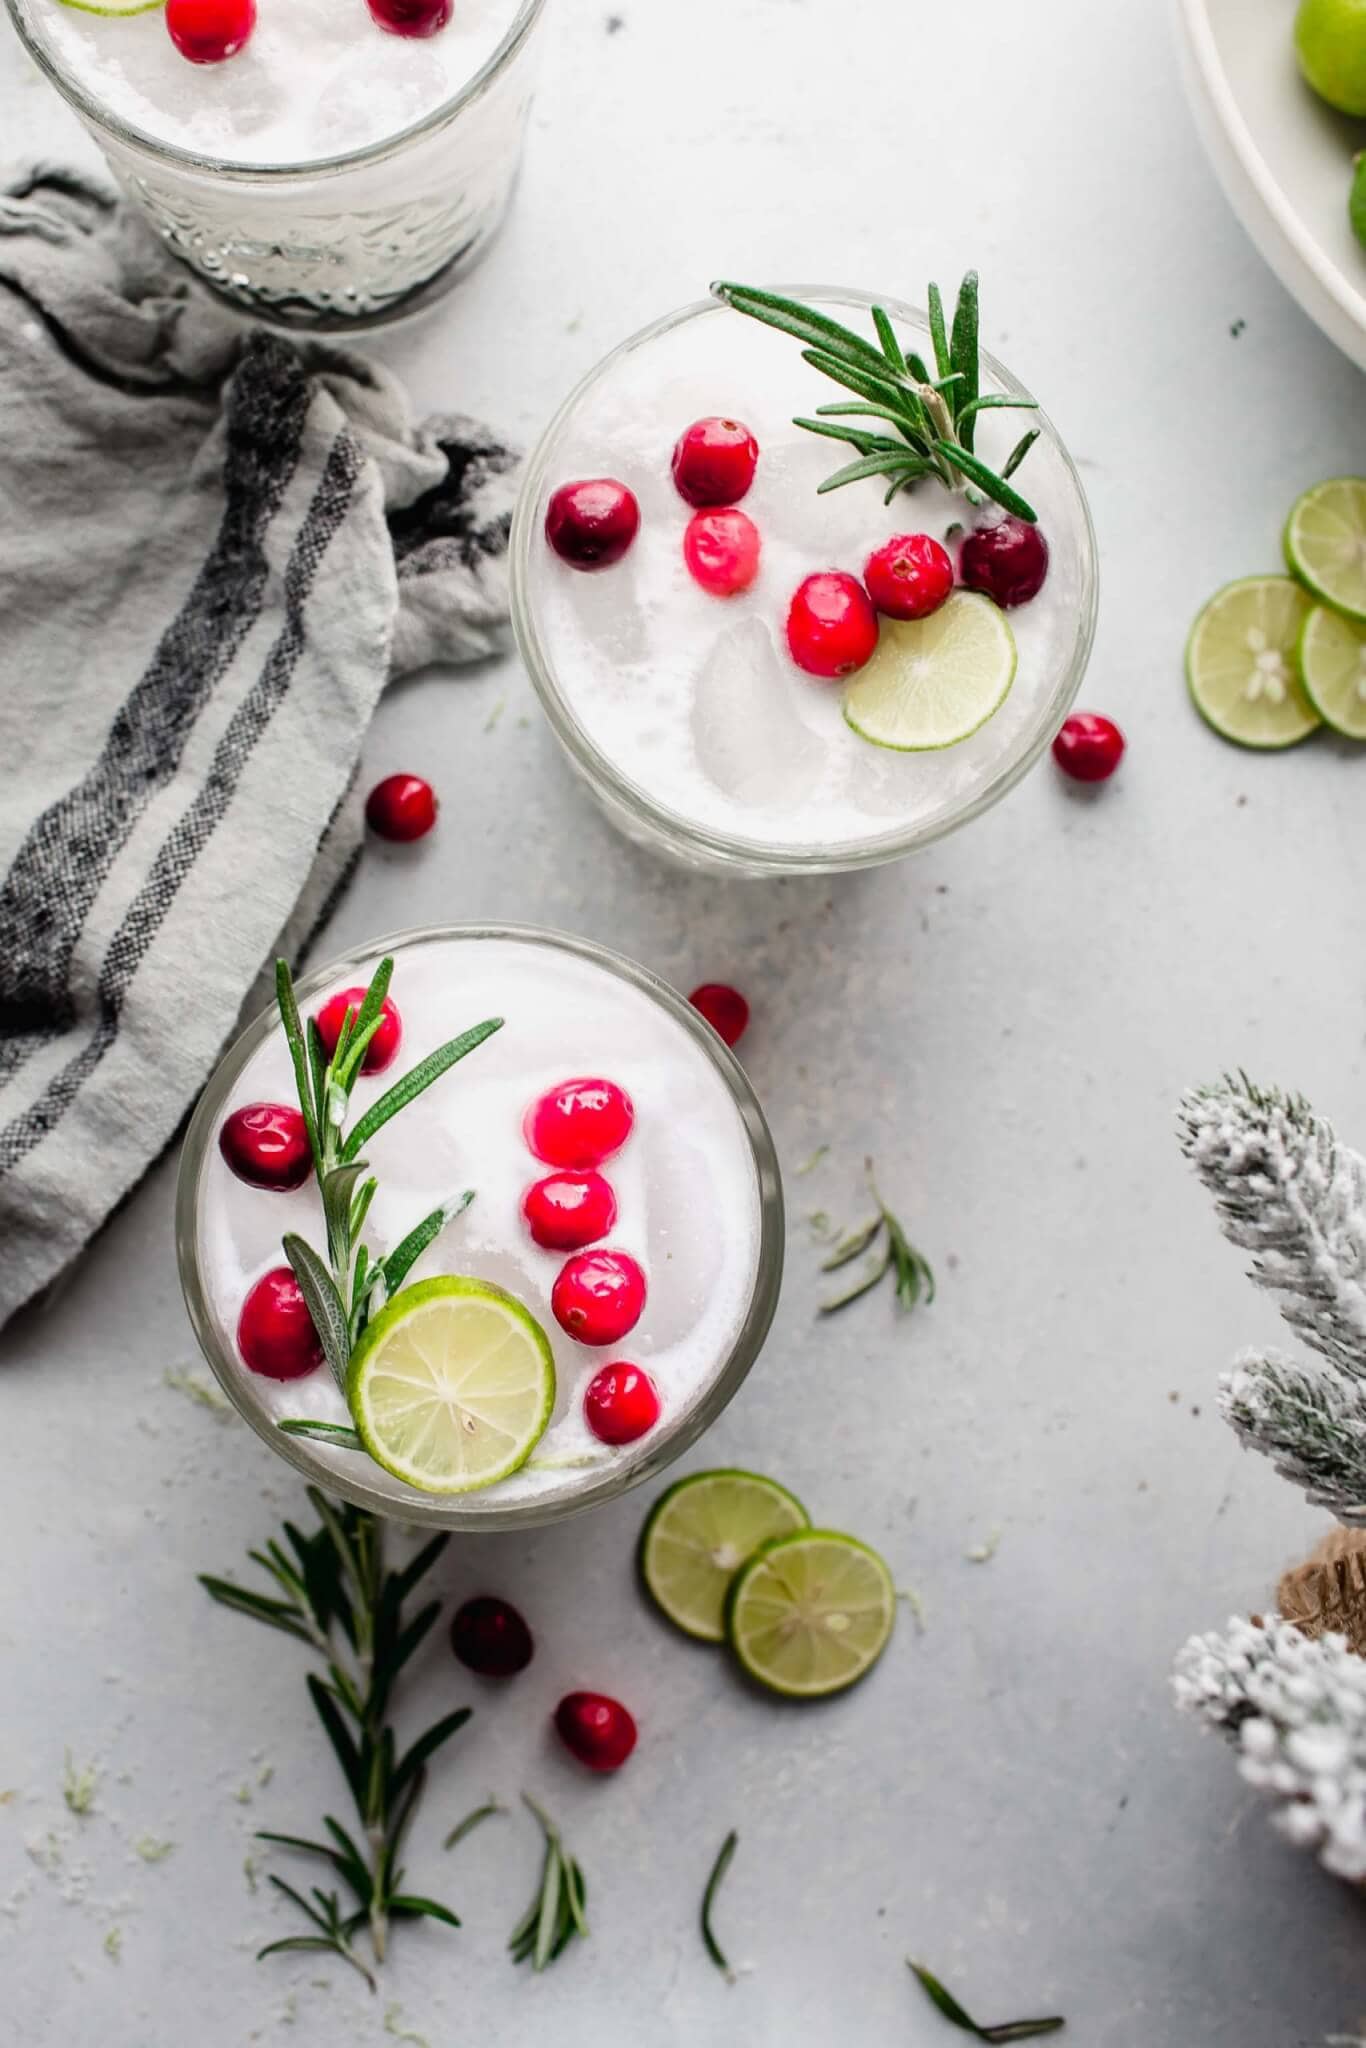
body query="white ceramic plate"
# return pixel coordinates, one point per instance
(1283, 158)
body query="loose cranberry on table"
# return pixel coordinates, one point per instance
(402, 807)
(1006, 561)
(598, 1296)
(275, 1332)
(207, 31)
(489, 1636)
(411, 17)
(568, 1210)
(621, 1403)
(909, 576)
(724, 1008)
(266, 1145)
(831, 624)
(579, 1122)
(596, 1729)
(714, 462)
(721, 550)
(1089, 747)
(385, 1043)
(590, 524)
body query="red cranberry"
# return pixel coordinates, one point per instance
(207, 31)
(382, 1046)
(909, 577)
(402, 807)
(598, 1296)
(621, 1403)
(595, 1729)
(725, 1009)
(266, 1145)
(1089, 747)
(411, 17)
(566, 1211)
(490, 1637)
(714, 462)
(591, 524)
(580, 1122)
(275, 1332)
(1006, 561)
(831, 624)
(721, 550)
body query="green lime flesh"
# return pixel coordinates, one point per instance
(811, 1613)
(699, 1533)
(1332, 664)
(1325, 543)
(1240, 663)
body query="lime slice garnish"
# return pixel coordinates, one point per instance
(1356, 200)
(697, 1536)
(1240, 663)
(452, 1385)
(1325, 542)
(931, 682)
(110, 7)
(810, 1613)
(1332, 664)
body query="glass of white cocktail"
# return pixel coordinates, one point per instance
(326, 163)
(754, 669)
(529, 1286)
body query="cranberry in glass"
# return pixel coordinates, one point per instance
(590, 524)
(909, 576)
(401, 808)
(385, 1043)
(621, 1403)
(266, 1145)
(1006, 561)
(724, 1008)
(714, 462)
(275, 1332)
(598, 1296)
(831, 625)
(580, 1122)
(207, 31)
(489, 1636)
(411, 17)
(721, 550)
(567, 1210)
(1089, 747)
(596, 1729)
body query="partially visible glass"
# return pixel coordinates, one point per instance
(343, 242)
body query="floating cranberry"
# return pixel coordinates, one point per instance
(598, 1296)
(909, 577)
(266, 1145)
(382, 1046)
(579, 1122)
(566, 1211)
(402, 807)
(275, 1332)
(724, 1008)
(411, 17)
(721, 550)
(597, 1730)
(1089, 747)
(591, 524)
(621, 1403)
(207, 31)
(714, 462)
(1006, 561)
(490, 1637)
(831, 624)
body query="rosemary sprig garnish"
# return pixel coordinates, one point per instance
(341, 1601)
(934, 417)
(718, 1871)
(1009, 2030)
(473, 1820)
(914, 1279)
(556, 1914)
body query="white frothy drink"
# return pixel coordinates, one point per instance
(686, 1184)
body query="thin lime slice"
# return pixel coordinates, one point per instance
(1325, 542)
(111, 7)
(1332, 664)
(810, 1613)
(1240, 663)
(452, 1385)
(931, 682)
(697, 1536)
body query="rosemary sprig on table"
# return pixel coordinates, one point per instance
(914, 1275)
(556, 1914)
(934, 417)
(718, 1871)
(1008, 2030)
(339, 1599)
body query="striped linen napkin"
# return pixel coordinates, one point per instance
(218, 545)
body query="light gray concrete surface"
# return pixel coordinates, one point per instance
(1006, 1022)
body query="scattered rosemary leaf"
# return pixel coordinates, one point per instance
(199, 1390)
(1008, 2030)
(718, 1871)
(810, 1165)
(113, 1944)
(982, 1553)
(78, 1787)
(151, 1850)
(913, 1277)
(394, 2027)
(556, 1914)
(471, 1821)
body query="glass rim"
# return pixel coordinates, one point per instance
(675, 830)
(130, 136)
(451, 1511)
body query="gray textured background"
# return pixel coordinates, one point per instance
(1006, 1022)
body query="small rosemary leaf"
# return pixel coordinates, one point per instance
(475, 1818)
(325, 1305)
(858, 437)
(1019, 451)
(338, 1189)
(413, 1635)
(939, 338)
(963, 355)
(865, 1286)
(997, 402)
(918, 367)
(1010, 2030)
(865, 383)
(576, 1892)
(409, 1905)
(299, 1842)
(994, 487)
(876, 464)
(318, 1919)
(360, 1207)
(886, 334)
(339, 1735)
(718, 1871)
(1023, 2030)
(414, 1082)
(791, 317)
(275, 1613)
(294, 1039)
(350, 1862)
(409, 1250)
(317, 1065)
(547, 1918)
(293, 1943)
(417, 1567)
(849, 1247)
(425, 1746)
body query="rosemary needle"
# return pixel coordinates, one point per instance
(1008, 2030)
(471, 1821)
(718, 1871)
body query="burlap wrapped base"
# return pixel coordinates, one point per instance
(1327, 1593)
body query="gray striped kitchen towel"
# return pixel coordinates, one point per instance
(216, 546)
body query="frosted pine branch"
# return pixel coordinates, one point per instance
(1297, 1712)
(1289, 1193)
(1309, 1421)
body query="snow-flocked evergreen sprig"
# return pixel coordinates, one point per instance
(1310, 1422)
